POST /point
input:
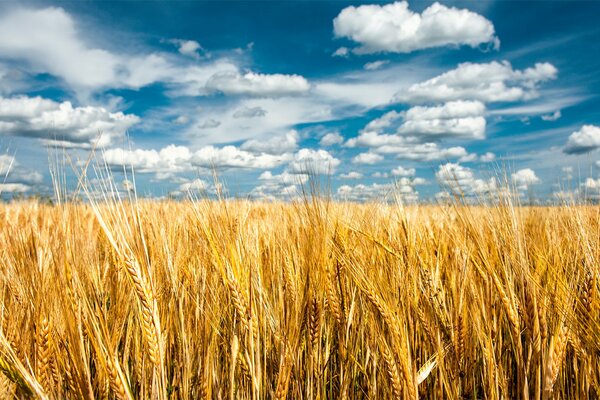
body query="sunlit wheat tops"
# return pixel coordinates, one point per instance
(308, 300)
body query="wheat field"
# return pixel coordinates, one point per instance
(312, 299)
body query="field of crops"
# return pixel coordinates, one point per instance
(304, 300)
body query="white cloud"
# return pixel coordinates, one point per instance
(14, 188)
(402, 189)
(341, 52)
(405, 172)
(367, 158)
(232, 157)
(48, 40)
(250, 112)
(188, 48)
(373, 139)
(277, 145)
(61, 122)
(14, 178)
(285, 178)
(331, 139)
(383, 122)
(379, 174)
(313, 161)
(6, 164)
(589, 190)
(395, 28)
(276, 187)
(424, 152)
(165, 163)
(351, 175)
(593, 184)
(584, 140)
(487, 157)
(259, 85)
(375, 65)
(491, 82)
(524, 178)
(462, 119)
(172, 159)
(462, 179)
(194, 185)
(552, 117)
(406, 148)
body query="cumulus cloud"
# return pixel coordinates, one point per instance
(458, 119)
(428, 152)
(407, 148)
(331, 139)
(194, 185)
(351, 175)
(487, 157)
(285, 178)
(14, 188)
(490, 82)
(524, 178)
(395, 28)
(584, 140)
(313, 161)
(276, 145)
(373, 139)
(379, 174)
(591, 183)
(165, 162)
(403, 189)
(61, 122)
(461, 119)
(276, 187)
(232, 157)
(367, 158)
(14, 178)
(462, 179)
(401, 171)
(588, 191)
(189, 48)
(250, 112)
(176, 159)
(259, 85)
(383, 122)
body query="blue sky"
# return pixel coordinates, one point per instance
(375, 97)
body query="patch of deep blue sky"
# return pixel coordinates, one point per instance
(296, 37)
